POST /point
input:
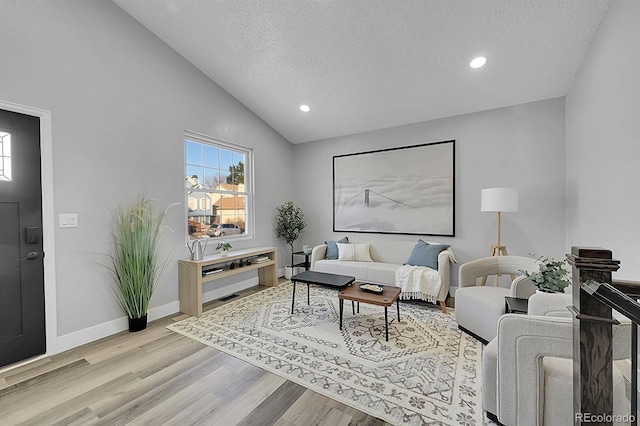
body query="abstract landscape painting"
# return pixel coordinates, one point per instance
(407, 190)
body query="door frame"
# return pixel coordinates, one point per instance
(48, 222)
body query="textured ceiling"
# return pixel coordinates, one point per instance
(370, 64)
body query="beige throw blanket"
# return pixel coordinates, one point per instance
(418, 282)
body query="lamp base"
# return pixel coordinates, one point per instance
(497, 250)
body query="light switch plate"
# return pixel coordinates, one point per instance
(67, 220)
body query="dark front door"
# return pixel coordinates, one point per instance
(22, 328)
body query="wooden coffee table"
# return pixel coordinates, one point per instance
(319, 278)
(386, 298)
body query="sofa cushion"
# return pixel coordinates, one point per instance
(372, 272)
(425, 254)
(332, 247)
(478, 309)
(351, 269)
(354, 252)
(382, 273)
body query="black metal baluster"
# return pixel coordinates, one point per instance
(633, 394)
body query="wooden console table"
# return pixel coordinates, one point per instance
(191, 275)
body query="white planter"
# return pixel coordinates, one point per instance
(289, 272)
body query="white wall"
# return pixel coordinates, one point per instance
(120, 100)
(603, 142)
(520, 146)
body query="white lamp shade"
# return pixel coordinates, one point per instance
(499, 200)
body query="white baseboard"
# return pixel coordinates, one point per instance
(91, 334)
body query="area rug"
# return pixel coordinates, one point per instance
(427, 373)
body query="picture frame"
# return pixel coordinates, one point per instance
(406, 190)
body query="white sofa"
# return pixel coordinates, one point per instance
(387, 256)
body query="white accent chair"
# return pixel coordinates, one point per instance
(478, 307)
(527, 370)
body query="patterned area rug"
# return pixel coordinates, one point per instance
(427, 373)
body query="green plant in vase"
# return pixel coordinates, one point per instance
(224, 246)
(551, 277)
(135, 265)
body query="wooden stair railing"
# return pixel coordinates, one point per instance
(593, 297)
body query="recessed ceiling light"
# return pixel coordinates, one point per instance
(478, 62)
(305, 108)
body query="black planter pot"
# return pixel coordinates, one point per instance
(137, 324)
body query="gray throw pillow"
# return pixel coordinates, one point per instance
(332, 247)
(425, 254)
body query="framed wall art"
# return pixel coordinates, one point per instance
(405, 190)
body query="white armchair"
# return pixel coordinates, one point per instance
(527, 370)
(478, 307)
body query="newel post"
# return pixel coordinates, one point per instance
(592, 335)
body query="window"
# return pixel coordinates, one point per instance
(5, 156)
(218, 188)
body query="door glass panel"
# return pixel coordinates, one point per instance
(5, 156)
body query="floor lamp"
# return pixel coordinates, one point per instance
(499, 200)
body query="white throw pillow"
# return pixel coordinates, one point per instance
(355, 252)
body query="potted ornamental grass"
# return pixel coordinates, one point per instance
(135, 265)
(289, 226)
(551, 276)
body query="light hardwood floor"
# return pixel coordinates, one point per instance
(159, 377)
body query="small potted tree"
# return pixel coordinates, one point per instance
(289, 226)
(134, 264)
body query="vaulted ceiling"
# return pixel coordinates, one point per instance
(364, 65)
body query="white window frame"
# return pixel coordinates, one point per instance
(5, 156)
(248, 192)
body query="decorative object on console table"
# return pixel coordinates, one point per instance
(551, 277)
(225, 247)
(207, 272)
(289, 226)
(135, 266)
(196, 248)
